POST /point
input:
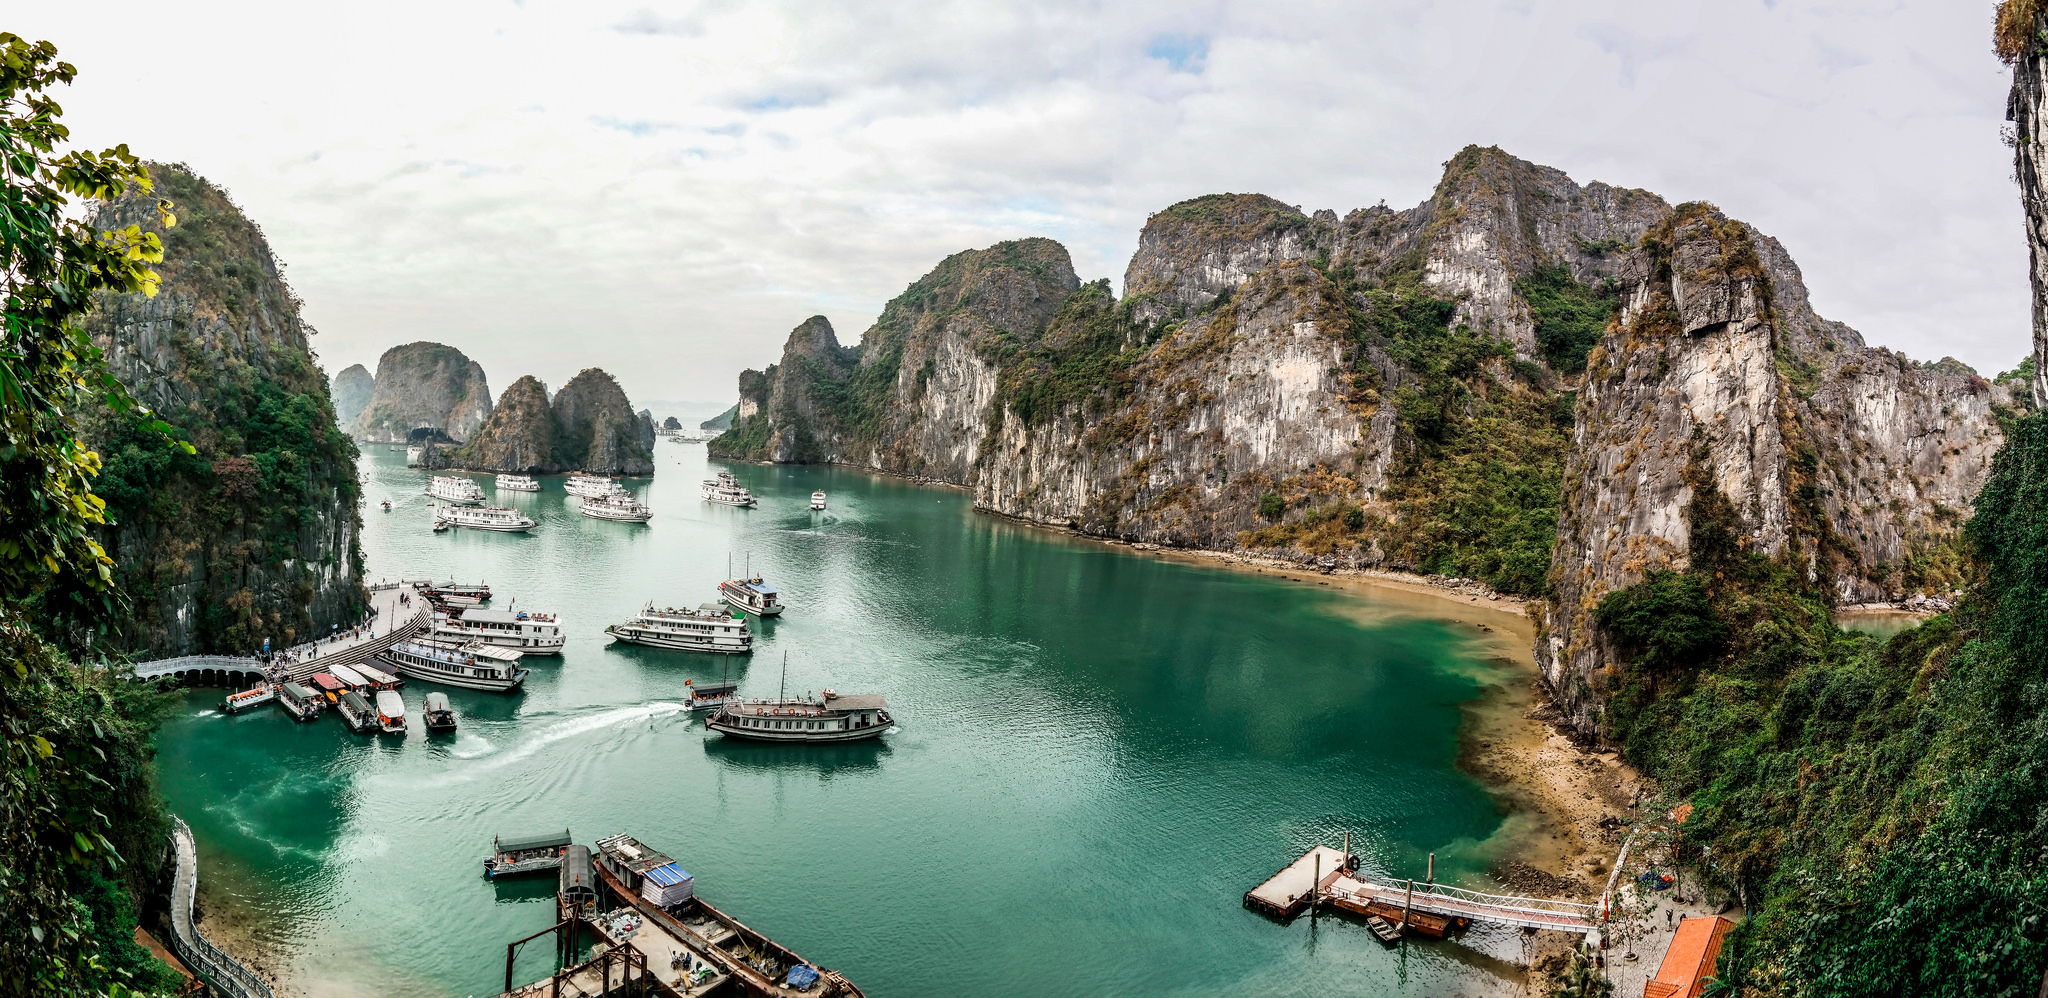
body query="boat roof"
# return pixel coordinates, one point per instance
(437, 701)
(348, 675)
(325, 681)
(390, 704)
(631, 853)
(374, 674)
(481, 650)
(487, 616)
(538, 840)
(755, 584)
(857, 701)
(667, 875)
(355, 700)
(296, 691)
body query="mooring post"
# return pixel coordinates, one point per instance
(1315, 883)
(1432, 869)
(1408, 904)
(508, 965)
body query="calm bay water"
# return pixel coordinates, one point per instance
(1099, 753)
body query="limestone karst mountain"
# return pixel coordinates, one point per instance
(424, 387)
(588, 426)
(255, 536)
(351, 392)
(1519, 364)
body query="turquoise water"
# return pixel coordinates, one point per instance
(1099, 753)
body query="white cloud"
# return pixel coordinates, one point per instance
(665, 189)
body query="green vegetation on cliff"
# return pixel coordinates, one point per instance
(1876, 805)
(1570, 317)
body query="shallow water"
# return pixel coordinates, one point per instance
(1099, 753)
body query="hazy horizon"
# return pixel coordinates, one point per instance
(665, 190)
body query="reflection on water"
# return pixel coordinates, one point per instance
(1098, 754)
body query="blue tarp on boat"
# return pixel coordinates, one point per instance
(667, 875)
(802, 976)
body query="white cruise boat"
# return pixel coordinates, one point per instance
(829, 718)
(449, 488)
(497, 518)
(518, 483)
(818, 499)
(470, 665)
(710, 627)
(531, 633)
(617, 506)
(727, 490)
(751, 595)
(580, 484)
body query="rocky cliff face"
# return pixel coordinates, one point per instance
(421, 386)
(589, 426)
(1519, 366)
(1850, 462)
(2027, 108)
(351, 392)
(256, 535)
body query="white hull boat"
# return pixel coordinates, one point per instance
(727, 491)
(709, 628)
(449, 488)
(531, 633)
(818, 501)
(623, 508)
(498, 518)
(471, 665)
(518, 483)
(830, 718)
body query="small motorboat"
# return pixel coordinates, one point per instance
(440, 526)
(437, 714)
(710, 695)
(390, 712)
(386, 504)
(258, 694)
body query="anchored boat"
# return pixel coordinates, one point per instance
(437, 714)
(513, 856)
(829, 718)
(710, 627)
(518, 483)
(449, 488)
(727, 490)
(818, 499)
(299, 702)
(510, 521)
(619, 506)
(531, 633)
(709, 695)
(356, 712)
(470, 665)
(457, 593)
(660, 889)
(752, 595)
(587, 485)
(390, 712)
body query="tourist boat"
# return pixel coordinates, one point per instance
(301, 703)
(437, 714)
(356, 712)
(818, 499)
(727, 490)
(261, 693)
(378, 678)
(390, 712)
(829, 718)
(518, 483)
(457, 593)
(350, 678)
(449, 488)
(752, 595)
(512, 856)
(710, 627)
(471, 665)
(328, 687)
(581, 484)
(531, 633)
(440, 526)
(709, 695)
(660, 889)
(510, 521)
(617, 506)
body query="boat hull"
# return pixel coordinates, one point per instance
(506, 528)
(617, 517)
(550, 646)
(740, 602)
(773, 735)
(675, 642)
(460, 682)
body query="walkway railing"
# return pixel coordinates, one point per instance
(186, 663)
(224, 972)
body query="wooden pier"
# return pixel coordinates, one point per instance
(1323, 877)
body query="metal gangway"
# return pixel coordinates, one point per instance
(1457, 902)
(225, 973)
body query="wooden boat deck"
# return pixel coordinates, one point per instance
(1285, 894)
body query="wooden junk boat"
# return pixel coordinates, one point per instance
(511, 856)
(658, 888)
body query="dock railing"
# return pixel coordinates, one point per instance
(1500, 907)
(224, 972)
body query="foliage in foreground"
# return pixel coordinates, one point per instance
(1878, 806)
(73, 749)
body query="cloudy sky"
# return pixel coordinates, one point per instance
(665, 189)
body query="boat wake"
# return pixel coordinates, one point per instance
(208, 712)
(574, 727)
